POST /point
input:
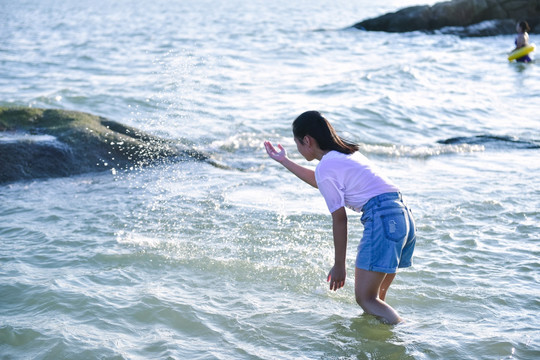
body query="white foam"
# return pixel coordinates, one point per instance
(14, 137)
(137, 239)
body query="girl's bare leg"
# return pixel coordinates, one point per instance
(367, 288)
(385, 285)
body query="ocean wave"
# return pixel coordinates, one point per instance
(419, 151)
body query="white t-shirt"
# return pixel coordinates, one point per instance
(349, 180)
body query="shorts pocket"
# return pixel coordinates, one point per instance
(395, 224)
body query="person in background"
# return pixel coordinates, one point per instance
(522, 39)
(346, 178)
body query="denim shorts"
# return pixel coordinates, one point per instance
(389, 235)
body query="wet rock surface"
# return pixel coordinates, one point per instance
(42, 143)
(459, 17)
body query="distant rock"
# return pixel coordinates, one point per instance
(41, 143)
(460, 17)
(493, 141)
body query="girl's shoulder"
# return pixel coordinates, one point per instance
(331, 160)
(522, 36)
(333, 154)
(336, 158)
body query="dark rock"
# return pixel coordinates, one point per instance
(41, 143)
(461, 17)
(493, 141)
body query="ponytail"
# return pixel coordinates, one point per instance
(314, 124)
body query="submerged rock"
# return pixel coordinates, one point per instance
(493, 141)
(41, 143)
(460, 17)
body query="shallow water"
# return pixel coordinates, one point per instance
(192, 261)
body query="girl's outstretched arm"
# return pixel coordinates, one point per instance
(338, 273)
(280, 155)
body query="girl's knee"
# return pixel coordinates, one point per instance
(364, 300)
(361, 303)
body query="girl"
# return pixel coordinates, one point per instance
(522, 39)
(347, 178)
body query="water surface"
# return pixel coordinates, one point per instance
(187, 260)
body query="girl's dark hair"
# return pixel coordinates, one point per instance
(524, 26)
(314, 124)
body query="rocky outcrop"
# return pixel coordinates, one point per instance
(41, 143)
(461, 17)
(493, 142)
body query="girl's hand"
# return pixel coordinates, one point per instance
(279, 156)
(336, 277)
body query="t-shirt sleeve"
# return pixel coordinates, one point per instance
(334, 197)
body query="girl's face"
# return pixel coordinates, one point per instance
(518, 28)
(304, 149)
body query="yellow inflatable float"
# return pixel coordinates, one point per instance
(516, 54)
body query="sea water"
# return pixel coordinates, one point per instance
(193, 261)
